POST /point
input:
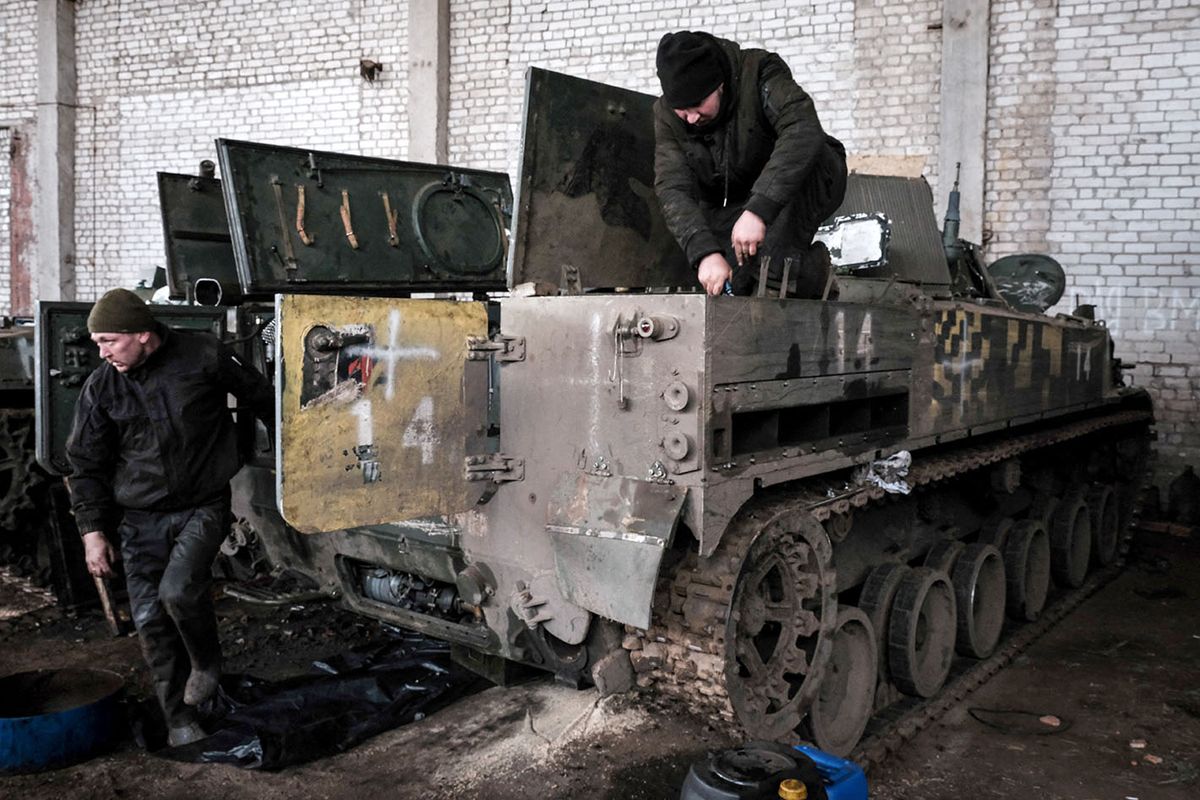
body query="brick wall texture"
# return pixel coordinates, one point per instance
(1092, 143)
(18, 96)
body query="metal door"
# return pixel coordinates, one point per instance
(379, 407)
(66, 357)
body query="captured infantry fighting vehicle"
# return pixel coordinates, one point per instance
(785, 512)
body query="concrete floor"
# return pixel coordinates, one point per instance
(1120, 672)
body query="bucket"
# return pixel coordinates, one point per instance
(54, 717)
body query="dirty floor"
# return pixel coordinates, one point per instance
(1121, 675)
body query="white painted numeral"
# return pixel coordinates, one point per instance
(420, 431)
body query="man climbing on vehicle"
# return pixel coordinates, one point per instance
(743, 168)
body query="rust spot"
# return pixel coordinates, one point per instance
(21, 231)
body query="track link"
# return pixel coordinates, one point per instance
(682, 654)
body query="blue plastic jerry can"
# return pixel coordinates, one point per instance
(844, 780)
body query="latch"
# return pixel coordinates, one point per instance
(495, 467)
(500, 347)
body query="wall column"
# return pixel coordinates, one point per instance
(428, 79)
(55, 160)
(965, 29)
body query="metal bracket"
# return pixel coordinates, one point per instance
(495, 467)
(571, 282)
(501, 347)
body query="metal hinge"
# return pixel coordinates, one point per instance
(503, 348)
(495, 467)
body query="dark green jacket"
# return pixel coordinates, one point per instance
(758, 152)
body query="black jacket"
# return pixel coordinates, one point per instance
(757, 153)
(160, 437)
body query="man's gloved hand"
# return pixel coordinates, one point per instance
(748, 234)
(98, 553)
(714, 272)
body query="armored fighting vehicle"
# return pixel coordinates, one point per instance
(532, 436)
(19, 477)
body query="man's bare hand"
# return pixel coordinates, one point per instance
(98, 554)
(748, 234)
(714, 272)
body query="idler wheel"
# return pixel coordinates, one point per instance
(1106, 524)
(1070, 541)
(875, 600)
(978, 580)
(846, 696)
(921, 632)
(943, 555)
(1027, 569)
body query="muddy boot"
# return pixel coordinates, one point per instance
(201, 685)
(185, 734)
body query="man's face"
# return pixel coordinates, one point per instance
(123, 350)
(704, 113)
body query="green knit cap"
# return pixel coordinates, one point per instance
(120, 311)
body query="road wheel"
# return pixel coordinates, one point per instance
(995, 531)
(1071, 540)
(1105, 518)
(979, 590)
(1027, 569)
(921, 632)
(943, 555)
(875, 600)
(846, 696)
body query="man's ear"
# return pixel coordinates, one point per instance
(144, 336)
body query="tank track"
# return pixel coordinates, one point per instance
(18, 475)
(681, 655)
(903, 720)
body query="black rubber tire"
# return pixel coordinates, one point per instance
(1106, 524)
(979, 590)
(875, 600)
(921, 632)
(846, 695)
(1071, 541)
(1027, 569)
(943, 555)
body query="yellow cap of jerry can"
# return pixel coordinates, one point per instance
(792, 789)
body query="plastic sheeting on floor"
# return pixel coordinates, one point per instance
(263, 725)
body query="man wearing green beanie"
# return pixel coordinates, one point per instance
(742, 166)
(152, 451)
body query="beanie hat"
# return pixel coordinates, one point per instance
(689, 67)
(120, 311)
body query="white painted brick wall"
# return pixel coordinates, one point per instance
(159, 81)
(5, 195)
(1094, 157)
(18, 56)
(614, 42)
(1092, 130)
(18, 98)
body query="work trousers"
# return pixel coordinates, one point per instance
(168, 568)
(790, 234)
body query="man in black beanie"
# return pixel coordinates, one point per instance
(742, 166)
(152, 451)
